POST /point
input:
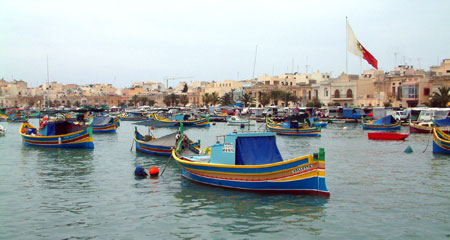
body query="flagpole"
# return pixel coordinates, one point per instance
(346, 45)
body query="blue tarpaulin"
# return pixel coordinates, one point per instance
(100, 121)
(443, 122)
(385, 121)
(257, 151)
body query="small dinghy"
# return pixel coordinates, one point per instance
(387, 136)
(2, 131)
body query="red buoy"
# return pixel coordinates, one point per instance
(154, 171)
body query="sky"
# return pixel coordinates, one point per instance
(121, 42)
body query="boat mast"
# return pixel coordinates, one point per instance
(46, 88)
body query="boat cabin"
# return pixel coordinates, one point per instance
(246, 149)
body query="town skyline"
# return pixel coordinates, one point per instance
(122, 43)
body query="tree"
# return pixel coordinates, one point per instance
(184, 100)
(286, 96)
(143, 100)
(68, 103)
(226, 99)
(151, 102)
(77, 103)
(276, 95)
(174, 99)
(185, 88)
(215, 98)
(387, 104)
(30, 102)
(134, 100)
(167, 100)
(264, 99)
(247, 99)
(314, 103)
(206, 98)
(441, 97)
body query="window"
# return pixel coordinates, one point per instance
(426, 92)
(336, 94)
(409, 91)
(325, 92)
(349, 93)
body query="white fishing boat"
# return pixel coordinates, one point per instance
(237, 121)
(2, 131)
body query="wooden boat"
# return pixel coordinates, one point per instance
(133, 116)
(385, 123)
(441, 141)
(201, 122)
(160, 146)
(427, 127)
(238, 121)
(292, 128)
(315, 122)
(104, 125)
(387, 136)
(60, 134)
(252, 161)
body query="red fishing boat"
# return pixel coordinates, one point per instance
(387, 136)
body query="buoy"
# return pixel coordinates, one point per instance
(345, 128)
(140, 172)
(154, 171)
(408, 150)
(214, 124)
(152, 128)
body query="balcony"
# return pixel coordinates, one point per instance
(341, 97)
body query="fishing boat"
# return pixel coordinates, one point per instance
(317, 123)
(133, 116)
(252, 161)
(2, 131)
(200, 122)
(292, 128)
(385, 123)
(156, 123)
(238, 121)
(441, 141)
(162, 145)
(59, 134)
(387, 136)
(427, 127)
(104, 125)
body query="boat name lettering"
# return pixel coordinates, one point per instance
(301, 169)
(228, 148)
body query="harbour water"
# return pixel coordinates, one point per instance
(377, 192)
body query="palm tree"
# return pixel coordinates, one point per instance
(286, 96)
(276, 95)
(226, 99)
(134, 100)
(151, 102)
(215, 98)
(167, 100)
(441, 97)
(264, 99)
(143, 100)
(247, 99)
(173, 99)
(184, 100)
(206, 98)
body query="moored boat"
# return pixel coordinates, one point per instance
(104, 125)
(200, 122)
(237, 121)
(385, 123)
(427, 127)
(59, 134)
(252, 161)
(160, 146)
(387, 136)
(2, 131)
(441, 141)
(292, 128)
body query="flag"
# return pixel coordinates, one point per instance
(355, 47)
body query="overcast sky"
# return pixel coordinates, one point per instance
(121, 42)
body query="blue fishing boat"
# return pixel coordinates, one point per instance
(385, 123)
(59, 134)
(200, 122)
(162, 145)
(441, 141)
(252, 161)
(292, 128)
(104, 125)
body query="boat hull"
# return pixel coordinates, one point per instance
(301, 176)
(387, 136)
(369, 126)
(441, 142)
(108, 128)
(79, 139)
